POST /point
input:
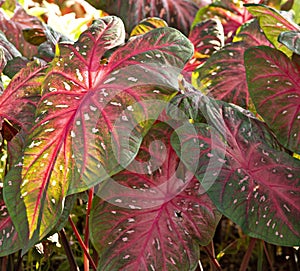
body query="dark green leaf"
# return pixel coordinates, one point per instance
(255, 184)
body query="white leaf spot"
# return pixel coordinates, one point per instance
(115, 103)
(93, 108)
(130, 108)
(132, 79)
(49, 130)
(287, 208)
(109, 80)
(79, 75)
(67, 86)
(61, 106)
(103, 146)
(86, 116)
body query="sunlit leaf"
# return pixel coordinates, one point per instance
(296, 9)
(146, 25)
(91, 118)
(273, 23)
(273, 81)
(147, 217)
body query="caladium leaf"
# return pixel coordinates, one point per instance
(46, 50)
(223, 75)
(9, 239)
(155, 221)
(207, 37)
(273, 81)
(15, 203)
(14, 65)
(89, 108)
(177, 13)
(291, 39)
(273, 23)
(232, 15)
(8, 51)
(258, 185)
(12, 28)
(18, 102)
(296, 10)
(146, 25)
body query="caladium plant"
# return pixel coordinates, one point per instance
(109, 119)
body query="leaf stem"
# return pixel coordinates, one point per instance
(268, 256)
(86, 231)
(19, 262)
(260, 256)
(209, 249)
(82, 244)
(247, 256)
(68, 250)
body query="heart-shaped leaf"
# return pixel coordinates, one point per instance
(148, 218)
(291, 39)
(177, 13)
(273, 81)
(223, 75)
(91, 118)
(273, 23)
(258, 185)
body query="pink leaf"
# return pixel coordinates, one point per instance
(154, 215)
